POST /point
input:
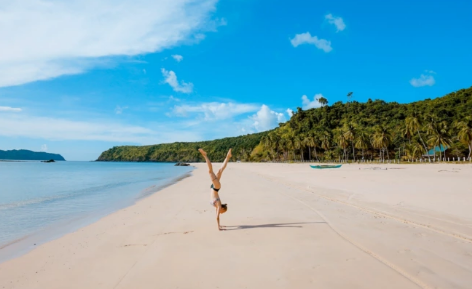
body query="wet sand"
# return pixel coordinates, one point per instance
(288, 226)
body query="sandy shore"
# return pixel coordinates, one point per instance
(289, 226)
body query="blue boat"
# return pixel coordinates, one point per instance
(326, 167)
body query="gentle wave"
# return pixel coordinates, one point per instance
(61, 196)
(44, 201)
(152, 189)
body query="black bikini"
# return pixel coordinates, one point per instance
(216, 199)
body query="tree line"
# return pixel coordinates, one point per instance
(352, 131)
(185, 151)
(378, 130)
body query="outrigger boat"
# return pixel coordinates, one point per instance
(326, 167)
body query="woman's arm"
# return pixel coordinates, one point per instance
(218, 217)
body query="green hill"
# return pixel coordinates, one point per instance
(185, 151)
(343, 131)
(29, 155)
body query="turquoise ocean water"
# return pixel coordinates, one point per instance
(41, 201)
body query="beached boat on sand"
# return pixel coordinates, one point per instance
(325, 166)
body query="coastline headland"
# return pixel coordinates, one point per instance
(27, 155)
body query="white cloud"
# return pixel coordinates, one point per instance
(47, 39)
(214, 110)
(171, 79)
(44, 148)
(289, 112)
(199, 36)
(336, 21)
(10, 109)
(64, 129)
(423, 80)
(120, 109)
(266, 118)
(307, 103)
(306, 38)
(221, 22)
(177, 57)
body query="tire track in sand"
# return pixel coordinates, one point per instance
(376, 256)
(379, 213)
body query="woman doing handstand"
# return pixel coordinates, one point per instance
(216, 186)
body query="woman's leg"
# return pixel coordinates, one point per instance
(204, 154)
(213, 177)
(223, 167)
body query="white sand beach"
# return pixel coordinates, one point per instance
(289, 226)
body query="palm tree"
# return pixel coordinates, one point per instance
(277, 142)
(298, 144)
(325, 140)
(244, 155)
(439, 137)
(315, 144)
(376, 145)
(273, 144)
(328, 155)
(267, 143)
(413, 150)
(350, 135)
(412, 125)
(362, 140)
(381, 140)
(406, 131)
(342, 143)
(323, 101)
(349, 96)
(283, 144)
(309, 142)
(290, 145)
(456, 152)
(430, 128)
(464, 133)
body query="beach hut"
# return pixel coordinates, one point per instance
(436, 152)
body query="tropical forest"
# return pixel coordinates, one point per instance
(431, 129)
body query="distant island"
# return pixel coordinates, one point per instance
(351, 131)
(26, 155)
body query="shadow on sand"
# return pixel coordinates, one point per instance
(282, 225)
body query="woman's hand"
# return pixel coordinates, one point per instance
(218, 219)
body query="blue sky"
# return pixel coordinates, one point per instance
(78, 77)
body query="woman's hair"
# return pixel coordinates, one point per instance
(224, 206)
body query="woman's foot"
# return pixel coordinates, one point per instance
(229, 154)
(202, 152)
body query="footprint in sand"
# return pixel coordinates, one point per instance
(167, 233)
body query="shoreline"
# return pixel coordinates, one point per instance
(288, 226)
(26, 243)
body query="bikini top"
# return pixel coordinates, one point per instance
(214, 188)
